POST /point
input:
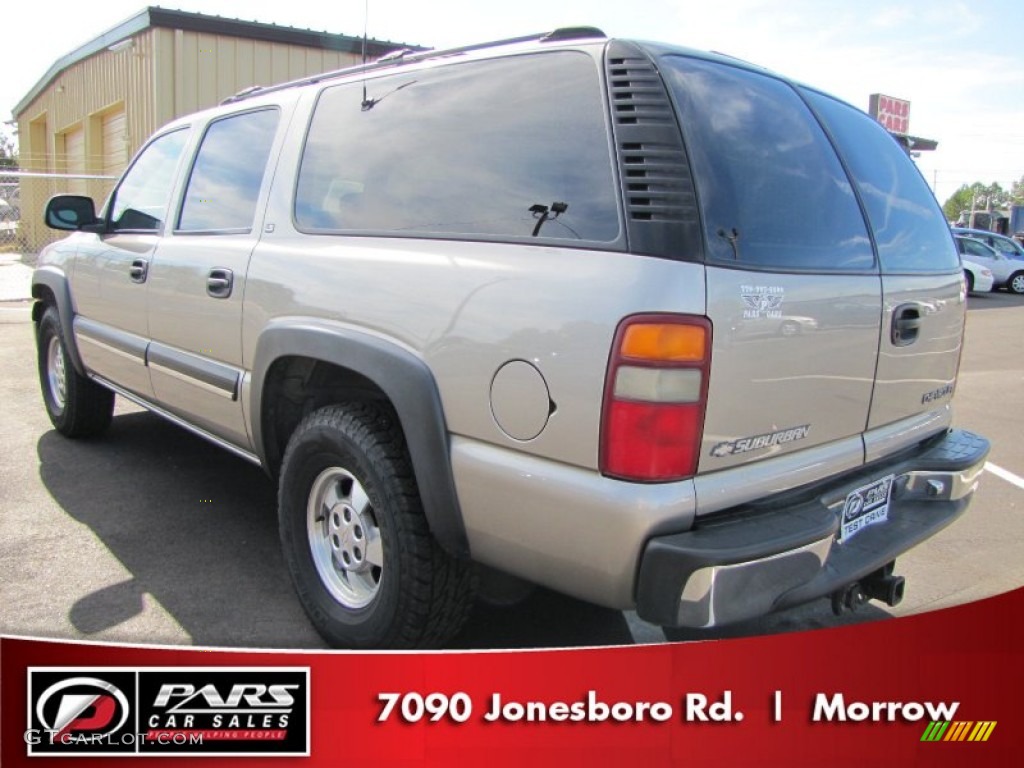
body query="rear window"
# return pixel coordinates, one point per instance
(772, 192)
(909, 227)
(510, 149)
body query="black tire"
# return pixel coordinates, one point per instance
(77, 407)
(357, 545)
(1016, 283)
(970, 281)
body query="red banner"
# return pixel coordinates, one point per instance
(936, 689)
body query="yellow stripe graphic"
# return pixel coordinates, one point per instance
(989, 727)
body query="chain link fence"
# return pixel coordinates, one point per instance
(23, 196)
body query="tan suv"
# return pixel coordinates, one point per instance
(655, 328)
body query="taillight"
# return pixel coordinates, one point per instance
(654, 398)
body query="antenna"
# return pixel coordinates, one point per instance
(366, 30)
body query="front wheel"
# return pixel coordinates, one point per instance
(77, 407)
(1016, 283)
(357, 545)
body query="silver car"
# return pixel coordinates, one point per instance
(1007, 273)
(1007, 246)
(551, 307)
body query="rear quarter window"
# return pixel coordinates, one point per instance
(510, 149)
(910, 230)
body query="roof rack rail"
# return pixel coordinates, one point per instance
(572, 33)
(252, 89)
(401, 53)
(406, 55)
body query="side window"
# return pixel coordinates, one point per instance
(513, 148)
(1004, 247)
(910, 228)
(772, 191)
(140, 201)
(225, 181)
(974, 248)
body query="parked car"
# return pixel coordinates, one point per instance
(473, 307)
(979, 279)
(1008, 273)
(10, 218)
(1008, 246)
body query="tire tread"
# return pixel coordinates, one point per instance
(438, 596)
(88, 407)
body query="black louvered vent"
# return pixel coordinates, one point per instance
(638, 95)
(657, 182)
(657, 186)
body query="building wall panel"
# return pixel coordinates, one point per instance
(65, 113)
(245, 63)
(74, 161)
(115, 145)
(92, 85)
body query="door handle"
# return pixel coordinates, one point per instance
(906, 325)
(138, 271)
(219, 283)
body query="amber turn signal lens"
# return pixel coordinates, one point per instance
(668, 342)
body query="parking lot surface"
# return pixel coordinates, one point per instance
(150, 535)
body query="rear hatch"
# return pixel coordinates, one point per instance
(923, 294)
(837, 307)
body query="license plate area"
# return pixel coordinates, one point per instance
(864, 507)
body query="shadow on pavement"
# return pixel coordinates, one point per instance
(810, 616)
(197, 529)
(546, 619)
(993, 300)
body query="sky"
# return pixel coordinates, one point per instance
(959, 63)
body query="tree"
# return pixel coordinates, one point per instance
(1017, 192)
(9, 145)
(976, 196)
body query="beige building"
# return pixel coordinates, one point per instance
(95, 106)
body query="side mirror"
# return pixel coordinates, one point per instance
(71, 213)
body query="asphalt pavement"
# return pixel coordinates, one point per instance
(151, 535)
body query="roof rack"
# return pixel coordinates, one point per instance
(405, 56)
(572, 33)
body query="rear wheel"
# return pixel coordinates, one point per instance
(77, 407)
(361, 556)
(1016, 282)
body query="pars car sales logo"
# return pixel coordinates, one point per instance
(117, 711)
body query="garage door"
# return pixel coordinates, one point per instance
(74, 160)
(115, 148)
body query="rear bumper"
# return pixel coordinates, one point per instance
(754, 561)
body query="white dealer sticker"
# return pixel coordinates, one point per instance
(865, 506)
